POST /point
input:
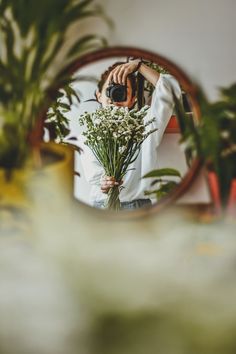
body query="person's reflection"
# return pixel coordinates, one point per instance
(132, 196)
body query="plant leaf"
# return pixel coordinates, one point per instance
(163, 172)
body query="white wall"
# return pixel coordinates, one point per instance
(198, 35)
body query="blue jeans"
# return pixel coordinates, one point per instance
(134, 204)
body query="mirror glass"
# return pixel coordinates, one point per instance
(124, 122)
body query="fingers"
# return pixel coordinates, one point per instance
(110, 77)
(107, 183)
(105, 189)
(120, 73)
(117, 75)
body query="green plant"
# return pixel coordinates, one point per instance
(214, 138)
(57, 122)
(165, 185)
(38, 41)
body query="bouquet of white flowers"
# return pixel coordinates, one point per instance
(115, 135)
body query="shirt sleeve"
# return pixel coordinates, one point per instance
(162, 104)
(93, 170)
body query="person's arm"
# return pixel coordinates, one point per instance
(120, 73)
(162, 104)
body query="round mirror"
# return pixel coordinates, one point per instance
(124, 111)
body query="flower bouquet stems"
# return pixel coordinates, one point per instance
(113, 200)
(115, 135)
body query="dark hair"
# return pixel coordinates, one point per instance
(104, 76)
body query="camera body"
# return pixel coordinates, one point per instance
(116, 92)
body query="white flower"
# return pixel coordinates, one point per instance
(114, 127)
(97, 121)
(122, 149)
(225, 134)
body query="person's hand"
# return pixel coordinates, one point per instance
(108, 182)
(119, 73)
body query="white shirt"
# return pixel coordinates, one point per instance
(161, 108)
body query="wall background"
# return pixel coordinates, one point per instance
(199, 35)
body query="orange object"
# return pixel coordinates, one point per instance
(214, 189)
(231, 207)
(173, 126)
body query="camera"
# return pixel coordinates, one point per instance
(116, 92)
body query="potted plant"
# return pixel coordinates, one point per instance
(214, 141)
(38, 41)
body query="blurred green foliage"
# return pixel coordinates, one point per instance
(213, 139)
(38, 41)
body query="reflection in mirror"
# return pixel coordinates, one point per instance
(124, 121)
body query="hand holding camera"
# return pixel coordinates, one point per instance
(120, 73)
(117, 89)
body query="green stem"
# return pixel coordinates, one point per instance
(113, 200)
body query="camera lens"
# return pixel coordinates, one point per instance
(116, 92)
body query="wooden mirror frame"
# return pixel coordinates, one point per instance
(187, 86)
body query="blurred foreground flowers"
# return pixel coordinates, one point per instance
(144, 287)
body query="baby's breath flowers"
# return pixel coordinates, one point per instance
(115, 135)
